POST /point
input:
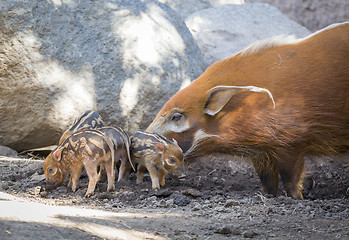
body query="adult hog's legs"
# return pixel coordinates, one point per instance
(268, 174)
(292, 173)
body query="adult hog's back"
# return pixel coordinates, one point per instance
(274, 102)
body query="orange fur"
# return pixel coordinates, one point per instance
(309, 81)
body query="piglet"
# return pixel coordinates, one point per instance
(87, 148)
(158, 155)
(121, 144)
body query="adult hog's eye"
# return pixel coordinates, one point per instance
(176, 117)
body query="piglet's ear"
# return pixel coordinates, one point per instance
(219, 96)
(174, 141)
(159, 147)
(57, 154)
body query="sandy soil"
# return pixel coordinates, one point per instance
(220, 199)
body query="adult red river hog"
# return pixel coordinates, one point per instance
(274, 102)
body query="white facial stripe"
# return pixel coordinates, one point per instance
(169, 163)
(199, 136)
(178, 128)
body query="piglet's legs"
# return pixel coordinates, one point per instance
(92, 174)
(125, 167)
(74, 176)
(154, 176)
(140, 173)
(110, 174)
(162, 176)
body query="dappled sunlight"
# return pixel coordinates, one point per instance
(128, 95)
(61, 2)
(68, 91)
(100, 223)
(149, 39)
(141, 35)
(71, 92)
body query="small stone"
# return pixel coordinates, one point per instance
(196, 207)
(249, 234)
(224, 230)
(34, 191)
(43, 194)
(62, 189)
(181, 200)
(236, 232)
(4, 186)
(169, 202)
(35, 178)
(162, 193)
(104, 196)
(219, 209)
(230, 203)
(192, 193)
(162, 203)
(152, 199)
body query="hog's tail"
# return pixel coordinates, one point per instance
(127, 145)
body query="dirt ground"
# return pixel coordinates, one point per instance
(220, 199)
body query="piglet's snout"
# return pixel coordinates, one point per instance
(182, 176)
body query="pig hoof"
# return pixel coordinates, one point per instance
(87, 195)
(112, 189)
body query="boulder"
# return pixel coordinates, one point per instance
(314, 15)
(123, 59)
(186, 7)
(7, 152)
(225, 30)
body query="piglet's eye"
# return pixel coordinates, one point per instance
(172, 160)
(176, 117)
(51, 170)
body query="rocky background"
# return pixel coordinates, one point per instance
(313, 14)
(124, 59)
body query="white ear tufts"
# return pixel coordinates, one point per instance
(258, 89)
(220, 95)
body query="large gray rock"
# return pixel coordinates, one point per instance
(314, 15)
(124, 59)
(223, 31)
(186, 7)
(7, 152)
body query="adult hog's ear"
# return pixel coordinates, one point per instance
(219, 96)
(57, 154)
(159, 147)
